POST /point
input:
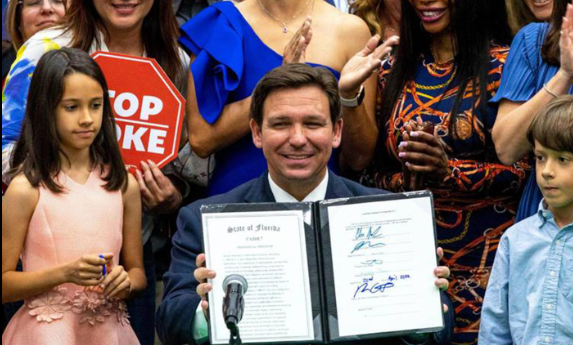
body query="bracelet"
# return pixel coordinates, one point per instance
(549, 91)
(354, 102)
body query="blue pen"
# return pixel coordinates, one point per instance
(104, 266)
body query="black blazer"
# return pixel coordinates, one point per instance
(180, 300)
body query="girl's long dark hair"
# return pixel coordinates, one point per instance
(474, 24)
(159, 32)
(37, 152)
(550, 51)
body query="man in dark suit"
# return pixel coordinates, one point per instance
(295, 120)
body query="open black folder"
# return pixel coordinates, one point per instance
(326, 272)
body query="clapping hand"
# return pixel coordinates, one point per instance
(295, 51)
(423, 152)
(358, 69)
(566, 42)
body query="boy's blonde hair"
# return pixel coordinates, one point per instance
(553, 127)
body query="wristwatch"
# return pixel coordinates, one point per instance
(354, 102)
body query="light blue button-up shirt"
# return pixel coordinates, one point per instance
(529, 298)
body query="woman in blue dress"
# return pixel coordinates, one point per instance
(232, 47)
(538, 69)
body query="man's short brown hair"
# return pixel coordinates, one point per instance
(292, 76)
(553, 126)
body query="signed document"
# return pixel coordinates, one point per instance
(326, 272)
(383, 259)
(268, 248)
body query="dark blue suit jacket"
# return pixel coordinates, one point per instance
(180, 299)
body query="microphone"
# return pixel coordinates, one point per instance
(235, 286)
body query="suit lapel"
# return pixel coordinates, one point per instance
(260, 191)
(336, 187)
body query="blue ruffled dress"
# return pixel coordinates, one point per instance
(230, 61)
(524, 75)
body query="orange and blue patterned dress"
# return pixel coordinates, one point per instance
(477, 202)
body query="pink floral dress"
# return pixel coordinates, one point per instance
(85, 219)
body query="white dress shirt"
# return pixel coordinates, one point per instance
(317, 194)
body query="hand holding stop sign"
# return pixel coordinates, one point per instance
(157, 192)
(147, 107)
(148, 111)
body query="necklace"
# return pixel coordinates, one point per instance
(280, 22)
(436, 87)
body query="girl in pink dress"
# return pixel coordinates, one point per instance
(68, 213)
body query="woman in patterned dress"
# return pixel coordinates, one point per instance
(447, 48)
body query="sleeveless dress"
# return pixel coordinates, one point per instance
(85, 219)
(14, 100)
(230, 61)
(524, 75)
(477, 202)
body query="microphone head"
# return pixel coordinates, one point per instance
(235, 278)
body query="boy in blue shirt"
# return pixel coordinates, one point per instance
(529, 300)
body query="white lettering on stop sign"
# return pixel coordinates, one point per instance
(150, 105)
(127, 105)
(134, 138)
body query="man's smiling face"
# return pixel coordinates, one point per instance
(297, 135)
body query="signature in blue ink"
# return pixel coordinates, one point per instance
(376, 288)
(371, 234)
(398, 277)
(366, 245)
(373, 262)
(365, 238)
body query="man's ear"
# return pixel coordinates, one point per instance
(257, 134)
(337, 129)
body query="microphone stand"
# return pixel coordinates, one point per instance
(235, 336)
(233, 304)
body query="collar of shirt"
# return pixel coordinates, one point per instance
(103, 46)
(318, 194)
(545, 215)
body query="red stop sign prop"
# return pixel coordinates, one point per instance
(147, 107)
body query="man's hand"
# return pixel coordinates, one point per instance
(158, 194)
(201, 275)
(442, 273)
